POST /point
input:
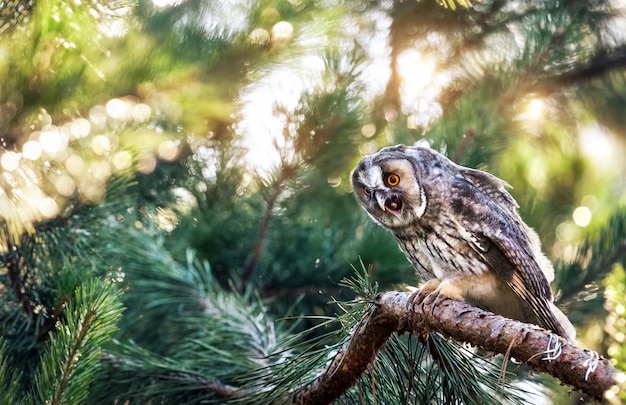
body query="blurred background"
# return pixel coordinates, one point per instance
(137, 136)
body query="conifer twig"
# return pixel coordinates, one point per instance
(16, 266)
(208, 386)
(277, 189)
(39, 320)
(287, 171)
(541, 350)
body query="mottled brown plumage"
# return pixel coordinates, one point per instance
(460, 229)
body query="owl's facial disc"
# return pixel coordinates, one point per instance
(389, 190)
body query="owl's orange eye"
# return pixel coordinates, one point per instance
(392, 179)
(366, 192)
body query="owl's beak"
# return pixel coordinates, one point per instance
(389, 203)
(380, 199)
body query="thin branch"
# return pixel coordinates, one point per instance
(287, 171)
(199, 383)
(257, 250)
(598, 66)
(15, 264)
(352, 360)
(208, 386)
(74, 354)
(540, 349)
(11, 260)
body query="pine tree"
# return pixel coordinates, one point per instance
(177, 219)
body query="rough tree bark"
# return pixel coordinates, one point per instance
(541, 350)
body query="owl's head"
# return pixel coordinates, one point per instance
(387, 185)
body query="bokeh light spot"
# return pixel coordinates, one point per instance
(65, 185)
(282, 32)
(368, 130)
(259, 36)
(334, 181)
(100, 170)
(51, 140)
(141, 112)
(75, 165)
(31, 150)
(93, 191)
(566, 231)
(582, 216)
(168, 150)
(48, 207)
(10, 161)
(270, 15)
(80, 128)
(119, 109)
(122, 160)
(146, 163)
(32, 194)
(98, 117)
(101, 145)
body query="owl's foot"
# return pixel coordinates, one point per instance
(450, 288)
(432, 293)
(420, 295)
(447, 289)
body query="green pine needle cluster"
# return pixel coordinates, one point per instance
(72, 358)
(206, 337)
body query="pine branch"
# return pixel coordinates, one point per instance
(288, 170)
(165, 373)
(9, 376)
(598, 66)
(11, 260)
(72, 356)
(41, 321)
(541, 350)
(277, 189)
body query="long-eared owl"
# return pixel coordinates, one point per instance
(460, 230)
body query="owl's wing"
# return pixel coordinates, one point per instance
(499, 235)
(490, 185)
(522, 273)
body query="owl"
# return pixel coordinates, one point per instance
(460, 230)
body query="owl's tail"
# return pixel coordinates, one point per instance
(561, 325)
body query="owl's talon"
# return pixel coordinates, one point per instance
(434, 299)
(416, 298)
(428, 300)
(425, 295)
(435, 302)
(420, 295)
